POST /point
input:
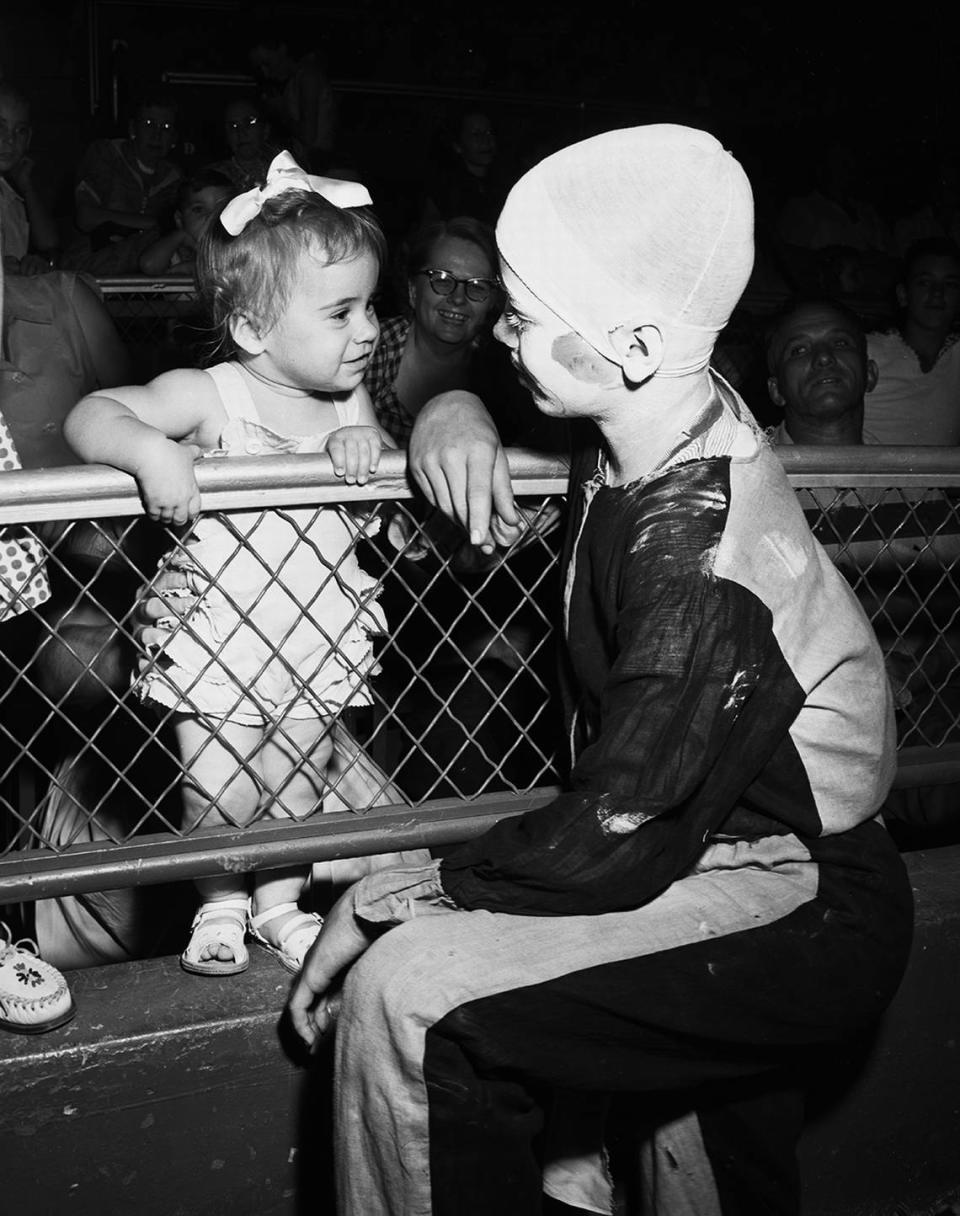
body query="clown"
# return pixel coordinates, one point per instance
(713, 898)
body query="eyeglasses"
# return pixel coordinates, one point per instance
(445, 284)
(244, 122)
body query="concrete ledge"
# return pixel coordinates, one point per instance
(167, 1095)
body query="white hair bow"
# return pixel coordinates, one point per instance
(285, 174)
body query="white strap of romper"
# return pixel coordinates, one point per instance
(234, 392)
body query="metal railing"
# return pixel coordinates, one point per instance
(463, 724)
(462, 694)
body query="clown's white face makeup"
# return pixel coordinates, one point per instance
(565, 374)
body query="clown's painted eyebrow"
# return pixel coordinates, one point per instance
(513, 308)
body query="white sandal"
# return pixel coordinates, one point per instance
(221, 922)
(294, 939)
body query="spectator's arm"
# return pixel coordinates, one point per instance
(44, 237)
(156, 258)
(90, 215)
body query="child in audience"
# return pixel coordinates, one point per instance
(288, 273)
(917, 398)
(199, 198)
(30, 240)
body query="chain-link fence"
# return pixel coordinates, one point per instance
(890, 519)
(448, 716)
(352, 618)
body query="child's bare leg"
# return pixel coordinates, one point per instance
(219, 789)
(295, 757)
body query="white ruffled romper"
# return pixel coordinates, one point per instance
(285, 628)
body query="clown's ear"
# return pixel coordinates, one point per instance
(639, 350)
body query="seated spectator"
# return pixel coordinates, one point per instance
(126, 192)
(892, 545)
(200, 197)
(58, 344)
(454, 299)
(819, 374)
(819, 377)
(469, 178)
(247, 134)
(30, 241)
(917, 398)
(457, 683)
(444, 340)
(303, 109)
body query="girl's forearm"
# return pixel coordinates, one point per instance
(104, 431)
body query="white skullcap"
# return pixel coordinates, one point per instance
(648, 224)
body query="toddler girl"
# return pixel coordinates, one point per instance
(278, 642)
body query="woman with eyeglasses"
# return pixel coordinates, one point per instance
(443, 642)
(454, 299)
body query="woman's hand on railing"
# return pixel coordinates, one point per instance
(173, 593)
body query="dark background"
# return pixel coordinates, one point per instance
(778, 85)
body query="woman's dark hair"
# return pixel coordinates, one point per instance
(928, 247)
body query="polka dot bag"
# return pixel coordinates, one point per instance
(23, 579)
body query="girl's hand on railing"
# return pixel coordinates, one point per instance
(168, 484)
(355, 452)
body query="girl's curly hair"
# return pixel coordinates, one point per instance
(253, 274)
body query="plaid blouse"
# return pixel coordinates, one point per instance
(380, 379)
